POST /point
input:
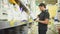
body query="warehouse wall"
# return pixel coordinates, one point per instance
(48, 1)
(52, 10)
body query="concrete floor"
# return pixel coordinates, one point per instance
(51, 29)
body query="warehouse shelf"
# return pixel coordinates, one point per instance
(13, 23)
(8, 24)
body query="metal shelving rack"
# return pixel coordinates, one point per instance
(17, 26)
(6, 24)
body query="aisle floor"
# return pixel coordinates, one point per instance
(49, 31)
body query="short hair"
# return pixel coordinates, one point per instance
(42, 4)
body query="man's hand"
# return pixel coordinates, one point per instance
(37, 20)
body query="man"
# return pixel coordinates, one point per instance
(43, 19)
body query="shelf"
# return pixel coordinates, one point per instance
(6, 24)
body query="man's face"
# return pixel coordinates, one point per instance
(41, 8)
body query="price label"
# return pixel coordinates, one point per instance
(12, 23)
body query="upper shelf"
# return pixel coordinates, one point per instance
(25, 5)
(22, 4)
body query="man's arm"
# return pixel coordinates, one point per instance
(46, 21)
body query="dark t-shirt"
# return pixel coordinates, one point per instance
(42, 16)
